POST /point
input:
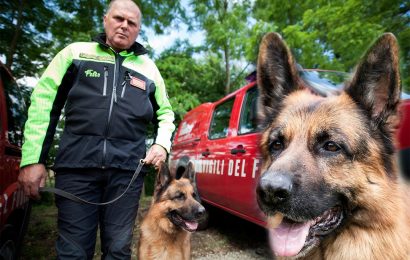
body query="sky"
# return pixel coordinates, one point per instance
(161, 42)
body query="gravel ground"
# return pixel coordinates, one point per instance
(227, 237)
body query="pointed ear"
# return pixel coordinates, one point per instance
(189, 172)
(375, 86)
(276, 74)
(162, 181)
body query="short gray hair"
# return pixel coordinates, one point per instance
(113, 1)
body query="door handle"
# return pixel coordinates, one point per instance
(238, 150)
(206, 153)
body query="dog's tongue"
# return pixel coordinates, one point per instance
(191, 225)
(288, 238)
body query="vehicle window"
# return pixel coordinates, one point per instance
(248, 121)
(220, 120)
(16, 109)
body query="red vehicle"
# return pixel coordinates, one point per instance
(221, 140)
(14, 206)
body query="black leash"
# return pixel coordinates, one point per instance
(80, 200)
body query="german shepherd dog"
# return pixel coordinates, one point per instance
(173, 215)
(329, 185)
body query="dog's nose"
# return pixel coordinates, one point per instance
(200, 212)
(274, 188)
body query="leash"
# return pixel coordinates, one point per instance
(73, 197)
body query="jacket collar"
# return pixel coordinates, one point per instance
(137, 48)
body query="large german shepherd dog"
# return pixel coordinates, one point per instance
(330, 186)
(173, 215)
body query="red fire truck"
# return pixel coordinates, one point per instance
(221, 140)
(14, 206)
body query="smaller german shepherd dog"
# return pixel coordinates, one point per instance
(330, 186)
(173, 215)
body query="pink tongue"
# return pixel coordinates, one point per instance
(191, 225)
(288, 238)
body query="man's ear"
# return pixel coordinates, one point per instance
(277, 76)
(375, 86)
(162, 181)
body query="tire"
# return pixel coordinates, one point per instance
(8, 245)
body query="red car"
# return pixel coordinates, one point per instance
(221, 140)
(14, 206)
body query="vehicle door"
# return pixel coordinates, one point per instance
(244, 158)
(211, 165)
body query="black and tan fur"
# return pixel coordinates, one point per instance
(165, 233)
(334, 156)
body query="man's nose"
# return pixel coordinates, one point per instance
(124, 24)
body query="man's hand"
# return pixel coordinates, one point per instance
(155, 155)
(32, 177)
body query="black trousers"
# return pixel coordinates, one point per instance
(78, 223)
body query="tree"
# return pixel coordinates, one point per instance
(190, 81)
(334, 35)
(225, 23)
(24, 40)
(34, 31)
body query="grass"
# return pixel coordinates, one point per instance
(39, 242)
(42, 232)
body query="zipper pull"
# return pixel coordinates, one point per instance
(114, 93)
(127, 77)
(124, 83)
(105, 80)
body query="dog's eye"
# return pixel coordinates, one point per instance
(179, 196)
(331, 146)
(276, 145)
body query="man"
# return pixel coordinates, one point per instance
(110, 91)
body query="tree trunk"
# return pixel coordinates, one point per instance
(14, 40)
(227, 70)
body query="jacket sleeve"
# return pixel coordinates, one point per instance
(164, 113)
(43, 113)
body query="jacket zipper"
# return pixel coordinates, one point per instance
(113, 100)
(105, 81)
(124, 83)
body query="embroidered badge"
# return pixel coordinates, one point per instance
(136, 82)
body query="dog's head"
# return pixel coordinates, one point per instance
(327, 160)
(178, 197)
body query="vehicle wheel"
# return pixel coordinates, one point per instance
(8, 250)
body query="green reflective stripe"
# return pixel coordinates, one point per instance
(42, 100)
(165, 116)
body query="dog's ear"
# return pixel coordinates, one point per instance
(277, 76)
(162, 181)
(375, 86)
(189, 172)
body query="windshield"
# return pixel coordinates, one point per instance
(324, 82)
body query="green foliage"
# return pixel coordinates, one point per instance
(190, 81)
(226, 26)
(23, 30)
(34, 31)
(334, 35)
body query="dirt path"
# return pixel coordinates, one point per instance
(227, 237)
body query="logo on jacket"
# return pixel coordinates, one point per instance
(92, 73)
(136, 82)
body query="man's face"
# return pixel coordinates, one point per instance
(122, 25)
